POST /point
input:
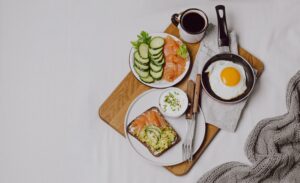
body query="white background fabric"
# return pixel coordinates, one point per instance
(60, 59)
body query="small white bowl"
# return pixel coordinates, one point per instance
(177, 110)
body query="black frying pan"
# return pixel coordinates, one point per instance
(223, 41)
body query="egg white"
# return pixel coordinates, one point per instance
(218, 87)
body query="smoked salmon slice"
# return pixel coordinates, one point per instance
(175, 64)
(152, 118)
(139, 123)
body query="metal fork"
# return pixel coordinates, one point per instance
(187, 146)
(191, 138)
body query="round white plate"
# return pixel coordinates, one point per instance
(161, 83)
(172, 156)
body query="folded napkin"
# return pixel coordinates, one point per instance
(224, 116)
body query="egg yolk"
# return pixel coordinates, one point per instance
(230, 76)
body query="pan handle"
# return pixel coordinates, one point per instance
(223, 37)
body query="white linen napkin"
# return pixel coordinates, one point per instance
(224, 116)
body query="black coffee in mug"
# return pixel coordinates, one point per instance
(193, 23)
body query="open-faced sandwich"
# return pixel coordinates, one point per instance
(152, 130)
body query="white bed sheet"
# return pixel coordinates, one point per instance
(60, 59)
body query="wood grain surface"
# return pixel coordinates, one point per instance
(114, 108)
(190, 94)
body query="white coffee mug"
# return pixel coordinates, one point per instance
(181, 21)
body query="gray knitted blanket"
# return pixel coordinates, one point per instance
(273, 147)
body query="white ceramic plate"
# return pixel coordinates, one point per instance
(172, 156)
(161, 83)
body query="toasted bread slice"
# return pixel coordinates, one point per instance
(152, 130)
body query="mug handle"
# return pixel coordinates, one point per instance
(175, 19)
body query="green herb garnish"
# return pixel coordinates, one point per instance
(173, 102)
(143, 37)
(182, 51)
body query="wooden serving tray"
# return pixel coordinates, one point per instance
(114, 109)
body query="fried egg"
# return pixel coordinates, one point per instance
(227, 79)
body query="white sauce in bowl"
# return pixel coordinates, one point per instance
(173, 102)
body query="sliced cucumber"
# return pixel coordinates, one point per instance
(143, 50)
(157, 59)
(156, 75)
(147, 79)
(154, 67)
(138, 57)
(140, 65)
(140, 72)
(159, 63)
(157, 42)
(156, 56)
(155, 51)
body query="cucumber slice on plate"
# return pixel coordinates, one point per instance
(156, 56)
(157, 59)
(140, 72)
(155, 68)
(138, 57)
(157, 42)
(143, 50)
(156, 75)
(147, 79)
(159, 63)
(140, 65)
(154, 52)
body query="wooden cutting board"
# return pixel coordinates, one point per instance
(114, 109)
